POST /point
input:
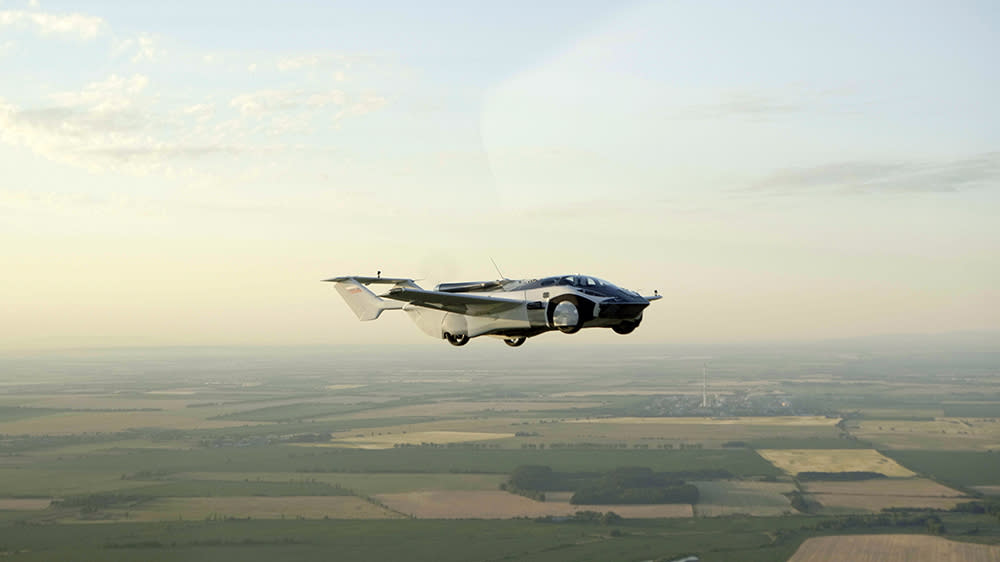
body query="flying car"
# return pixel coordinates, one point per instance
(510, 309)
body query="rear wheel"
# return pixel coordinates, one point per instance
(515, 342)
(458, 340)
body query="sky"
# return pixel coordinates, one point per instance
(186, 173)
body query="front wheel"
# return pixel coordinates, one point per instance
(515, 342)
(564, 315)
(457, 340)
(627, 327)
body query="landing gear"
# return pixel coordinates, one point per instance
(515, 342)
(627, 326)
(458, 340)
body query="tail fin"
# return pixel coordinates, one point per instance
(365, 304)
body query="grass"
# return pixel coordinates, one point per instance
(956, 468)
(280, 458)
(104, 422)
(990, 410)
(749, 498)
(11, 413)
(207, 488)
(414, 438)
(315, 540)
(502, 505)
(940, 433)
(369, 484)
(308, 507)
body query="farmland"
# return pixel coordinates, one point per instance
(892, 548)
(794, 461)
(178, 454)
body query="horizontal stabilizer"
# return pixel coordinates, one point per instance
(365, 304)
(401, 281)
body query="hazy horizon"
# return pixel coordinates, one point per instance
(186, 174)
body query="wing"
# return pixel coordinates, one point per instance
(473, 305)
(400, 281)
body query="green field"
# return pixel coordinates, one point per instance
(250, 541)
(281, 458)
(958, 468)
(209, 488)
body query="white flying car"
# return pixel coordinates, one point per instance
(513, 310)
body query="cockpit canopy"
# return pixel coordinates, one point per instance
(589, 284)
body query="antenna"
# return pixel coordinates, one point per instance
(500, 273)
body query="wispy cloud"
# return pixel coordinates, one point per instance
(143, 47)
(78, 26)
(860, 177)
(749, 105)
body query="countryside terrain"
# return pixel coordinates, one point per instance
(547, 452)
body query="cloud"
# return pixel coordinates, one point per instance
(68, 25)
(101, 115)
(143, 47)
(748, 105)
(978, 171)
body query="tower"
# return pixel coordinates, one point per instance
(704, 385)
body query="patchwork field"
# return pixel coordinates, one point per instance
(749, 498)
(876, 495)
(308, 507)
(501, 505)
(892, 548)
(794, 461)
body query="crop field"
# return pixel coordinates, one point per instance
(988, 490)
(742, 497)
(67, 423)
(892, 548)
(794, 461)
(738, 421)
(915, 487)
(449, 408)
(672, 430)
(56, 483)
(501, 505)
(414, 438)
(367, 484)
(851, 503)
(958, 468)
(20, 504)
(211, 488)
(940, 433)
(287, 458)
(308, 507)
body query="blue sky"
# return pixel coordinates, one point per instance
(183, 173)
